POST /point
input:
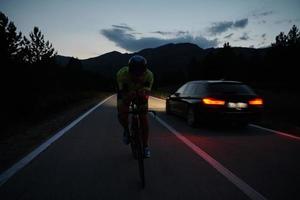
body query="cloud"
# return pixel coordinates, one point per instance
(123, 38)
(162, 32)
(262, 14)
(245, 37)
(228, 36)
(266, 13)
(262, 22)
(220, 27)
(289, 21)
(241, 23)
(181, 32)
(123, 26)
(171, 33)
(264, 39)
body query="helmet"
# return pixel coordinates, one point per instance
(137, 65)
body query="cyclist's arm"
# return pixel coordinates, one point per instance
(148, 81)
(121, 86)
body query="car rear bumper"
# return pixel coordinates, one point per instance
(243, 117)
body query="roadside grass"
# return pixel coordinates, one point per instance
(21, 137)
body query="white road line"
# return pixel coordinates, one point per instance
(27, 159)
(244, 187)
(277, 132)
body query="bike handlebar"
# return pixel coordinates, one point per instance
(137, 101)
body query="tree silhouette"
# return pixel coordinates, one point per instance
(281, 59)
(293, 36)
(36, 49)
(194, 71)
(289, 40)
(281, 40)
(226, 45)
(10, 40)
(74, 64)
(28, 69)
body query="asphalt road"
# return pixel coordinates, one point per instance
(90, 162)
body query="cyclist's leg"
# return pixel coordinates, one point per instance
(123, 109)
(145, 124)
(145, 134)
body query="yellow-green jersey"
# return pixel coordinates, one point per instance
(125, 80)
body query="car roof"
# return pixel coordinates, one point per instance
(214, 81)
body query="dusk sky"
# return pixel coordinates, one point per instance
(90, 28)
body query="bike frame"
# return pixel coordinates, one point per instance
(136, 139)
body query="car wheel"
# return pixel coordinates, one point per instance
(191, 117)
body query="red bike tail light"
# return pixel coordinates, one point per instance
(256, 102)
(213, 101)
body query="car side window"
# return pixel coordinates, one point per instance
(200, 89)
(186, 89)
(181, 89)
(190, 90)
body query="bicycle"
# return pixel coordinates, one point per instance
(135, 136)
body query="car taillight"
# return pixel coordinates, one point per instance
(213, 101)
(256, 102)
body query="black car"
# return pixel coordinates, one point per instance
(215, 101)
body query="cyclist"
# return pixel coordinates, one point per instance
(134, 80)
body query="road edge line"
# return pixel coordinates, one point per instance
(274, 131)
(4, 177)
(243, 186)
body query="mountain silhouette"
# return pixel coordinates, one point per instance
(163, 60)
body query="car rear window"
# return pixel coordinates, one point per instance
(229, 88)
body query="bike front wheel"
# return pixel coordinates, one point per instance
(133, 149)
(140, 157)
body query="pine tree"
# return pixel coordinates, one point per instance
(293, 36)
(281, 40)
(10, 40)
(36, 49)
